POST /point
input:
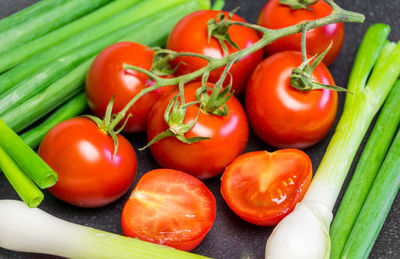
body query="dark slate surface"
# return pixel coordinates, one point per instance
(230, 236)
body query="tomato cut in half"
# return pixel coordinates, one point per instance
(171, 208)
(262, 187)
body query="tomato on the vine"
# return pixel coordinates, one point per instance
(283, 116)
(82, 155)
(190, 35)
(107, 77)
(171, 208)
(276, 16)
(262, 187)
(205, 159)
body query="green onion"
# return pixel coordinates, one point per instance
(22, 184)
(376, 207)
(72, 108)
(39, 105)
(18, 111)
(91, 40)
(304, 233)
(26, 158)
(23, 15)
(366, 171)
(58, 13)
(18, 55)
(33, 230)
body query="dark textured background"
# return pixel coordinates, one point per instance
(230, 236)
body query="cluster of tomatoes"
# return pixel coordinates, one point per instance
(173, 206)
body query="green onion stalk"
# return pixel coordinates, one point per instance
(47, 17)
(33, 230)
(304, 233)
(20, 54)
(367, 169)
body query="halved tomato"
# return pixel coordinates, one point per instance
(171, 208)
(262, 187)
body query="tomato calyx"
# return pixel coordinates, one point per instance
(299, 4)
(215, 101)
(218, 28)
(174, 117)
(105, 125)
(302, 76)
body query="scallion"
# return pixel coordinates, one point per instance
(376, 206)
(91, 41)
(58, 13)
(26, 158)
(367, 168)
(33, 230)
(22, 184)
(74, 107)
(18, 55)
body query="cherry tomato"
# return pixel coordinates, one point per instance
(283, 116)
(276, 16)
(82, 156)
(171, 208)
(207, 158)
(262, 187)
(106, 78)
(190, 34)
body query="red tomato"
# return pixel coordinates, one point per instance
(283, 116)
(190, 34)
(82, 156)
(171, 208)
(276, 16)
(106, 78)
(262, 187)
(204, 159)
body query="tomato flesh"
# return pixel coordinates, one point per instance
(262, 187)
(169, 207)
(82, 156)
(276, 16)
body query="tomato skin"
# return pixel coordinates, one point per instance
(204, 159)
(276, 16)
(262, 187)
(190, 34)
(283, 116)
(171, 208)
(81, 154)
(106, 78)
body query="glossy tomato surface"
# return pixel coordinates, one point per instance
(283, 116)
(171, 208)
(190, 34)
(106, 78)
(205, 159)
(276, 16)
(82, 155)
(262, 187)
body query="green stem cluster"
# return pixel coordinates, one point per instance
(338, 15)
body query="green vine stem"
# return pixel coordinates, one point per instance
(338, 15)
